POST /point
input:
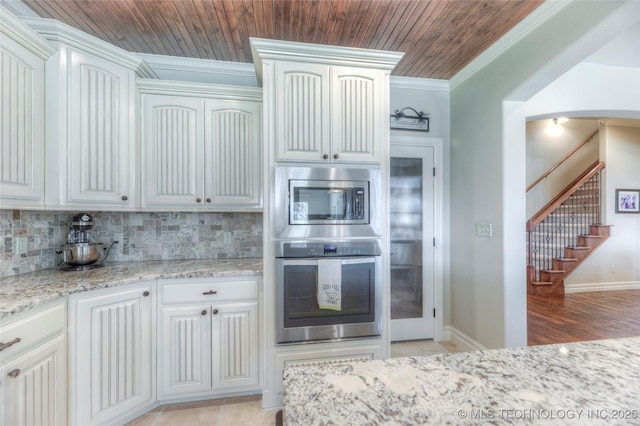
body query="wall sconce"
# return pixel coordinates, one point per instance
(560, 120)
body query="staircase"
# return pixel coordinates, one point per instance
(564, 233)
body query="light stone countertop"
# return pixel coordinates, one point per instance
(589, 383)
(19, 293)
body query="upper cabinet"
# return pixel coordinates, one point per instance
(328, 104)
(22, 60)
(91, 156)
(201, 146)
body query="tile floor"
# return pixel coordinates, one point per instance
(247, 410)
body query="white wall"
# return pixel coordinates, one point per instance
(488, 286)
(616, 264)
(548, 143)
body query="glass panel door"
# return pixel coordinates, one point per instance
(411, 230)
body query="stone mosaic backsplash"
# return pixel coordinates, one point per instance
(145, 236)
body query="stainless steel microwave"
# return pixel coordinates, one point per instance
(327, 202)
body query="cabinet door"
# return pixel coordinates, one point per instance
(101, 144)
(114, 359)
(34, 386)
(172, 133)
(184, 355)
(232, 153)
(357, 121)
(302, 112)
(22, 131)
(235, 346)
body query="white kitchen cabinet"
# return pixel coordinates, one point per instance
(22, 61)
(33, 368)
(91, 148)
(202, 147)
(208, 337)
(328, 113)
(330, 104)
(112, 353)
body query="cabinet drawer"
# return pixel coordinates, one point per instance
(29, 330)
(210, 291)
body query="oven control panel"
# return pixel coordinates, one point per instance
(303, 249)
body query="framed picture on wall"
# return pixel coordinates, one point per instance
(627, 200)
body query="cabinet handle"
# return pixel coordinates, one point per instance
(4, 346)
(335, 156)
(203, 312)
(210, 292)
(198, 199)
(125, 198)
(208, 200)
(215, 312)
(325, 156)
(145, 294)
(13, 373)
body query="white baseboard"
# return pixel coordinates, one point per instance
(610, 286)
(462, 340)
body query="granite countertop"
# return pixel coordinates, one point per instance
(21, 292)
(594, 382)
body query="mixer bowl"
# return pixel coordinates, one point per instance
(79, 254)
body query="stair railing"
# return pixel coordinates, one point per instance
(559, 163)
(558, 224)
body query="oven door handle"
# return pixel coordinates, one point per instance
(314, 261)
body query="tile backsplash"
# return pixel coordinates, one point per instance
(145, 236)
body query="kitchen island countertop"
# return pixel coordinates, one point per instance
(595, 382)
(19, 293)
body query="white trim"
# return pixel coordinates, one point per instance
(262, 49)
(198, 66)
(58, 32)
(536, 18)
(413, 83)
(607, 286)
(19, 9)
(465, 342)
(203, 90)
(17, 30)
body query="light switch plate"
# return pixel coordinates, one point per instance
(484, 230)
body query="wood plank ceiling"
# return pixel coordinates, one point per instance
(439, 37)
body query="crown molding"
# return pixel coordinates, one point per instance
(196, 65)
(262, 49)
(536, 18)
(202, 90)
(413, 83)
(61, 33)
(17, 30)
(18, 8)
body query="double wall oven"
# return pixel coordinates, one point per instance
(328, 263)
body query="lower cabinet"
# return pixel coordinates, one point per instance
(112, 353)
(33, 368)
(207, 337)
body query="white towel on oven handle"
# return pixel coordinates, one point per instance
(330, 284)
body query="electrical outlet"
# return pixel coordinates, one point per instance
(118, 237)
(21, 246)
(612, 268)
(227, 237)
(484, 230)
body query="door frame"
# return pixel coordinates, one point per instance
(437, 144)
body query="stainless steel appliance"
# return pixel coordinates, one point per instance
(82, 251)
(301, 283)
(327, 203)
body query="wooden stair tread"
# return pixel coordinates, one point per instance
(579, 248)
(553, 271)
(541, 283)
(565, 259)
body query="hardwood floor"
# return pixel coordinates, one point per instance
(577, 317)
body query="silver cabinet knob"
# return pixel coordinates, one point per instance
(198, 200)
(215, 312)
(325, 156)
(125, 198)
(335, 156)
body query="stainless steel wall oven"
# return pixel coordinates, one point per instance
(328, 291)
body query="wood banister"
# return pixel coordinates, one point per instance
(565, 194)
(559, 163)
